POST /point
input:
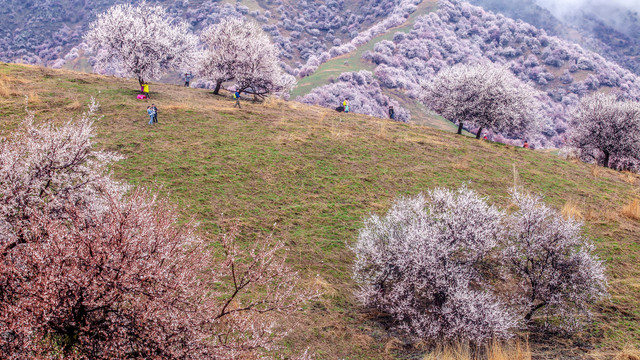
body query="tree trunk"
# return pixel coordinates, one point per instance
(140, 81)
(479, 133)
(460, 128)
(534, 309)
(606, 158)
(216, 91)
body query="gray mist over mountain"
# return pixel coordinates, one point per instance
(622, 15)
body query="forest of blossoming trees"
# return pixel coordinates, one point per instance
(461, 33)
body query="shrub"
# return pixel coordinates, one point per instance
(448, 266)
(424, 264)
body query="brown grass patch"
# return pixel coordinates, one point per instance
(177, 107)
(596, 171)
(382, 130)
(34, 98)
(274, 103)
(73, 106)
(517, 351)
(393, 345)
(629, 177)
(632, 210)
(325, 288)
(5, 89)
(461, 164)
(628, 354)
(495, 351)
(572, 210)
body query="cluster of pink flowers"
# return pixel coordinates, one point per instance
(91, 268)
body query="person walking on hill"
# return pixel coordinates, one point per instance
(187, 79)
(151, 114)
(345, 104)
(155, 113)
(236, 95)
(392, 113)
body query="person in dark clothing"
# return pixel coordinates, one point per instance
(187, 79)
(155, 113)
(236, 95)
(392, 113)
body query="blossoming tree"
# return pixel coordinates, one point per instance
(141, 41)
(91, 268)
(603, 128)
(485, 97)
(240, 50)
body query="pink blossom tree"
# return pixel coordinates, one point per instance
(142, 41)
(483, 96)
(91, 268)
(603, 128)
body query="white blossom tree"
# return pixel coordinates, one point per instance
(451, 267)
(483, 96)
(424, 263)
(603, 127)
(141, 41)
(240, 50)
(225, 43)
(552, 263)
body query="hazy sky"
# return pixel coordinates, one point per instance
(564, 7)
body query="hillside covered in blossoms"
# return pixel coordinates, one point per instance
(461, 33)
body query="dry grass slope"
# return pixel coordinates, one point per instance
(517, 350)
(316, 174)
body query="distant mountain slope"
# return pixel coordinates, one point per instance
(317, 174)
(44, 32)
(461, 33)
(608, 28)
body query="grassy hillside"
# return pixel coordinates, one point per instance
(315, 174)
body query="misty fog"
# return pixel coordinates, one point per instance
(615, 13)
(566, 7)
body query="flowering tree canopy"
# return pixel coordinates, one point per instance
(93, 269)
(423, 264)
(483, 96)
(142, 41)
(225, 43)
(552, 262)
(450, 266)
(240, 50)
(604, 127)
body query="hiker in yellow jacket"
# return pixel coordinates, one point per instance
(145, 90)
(345, 104)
